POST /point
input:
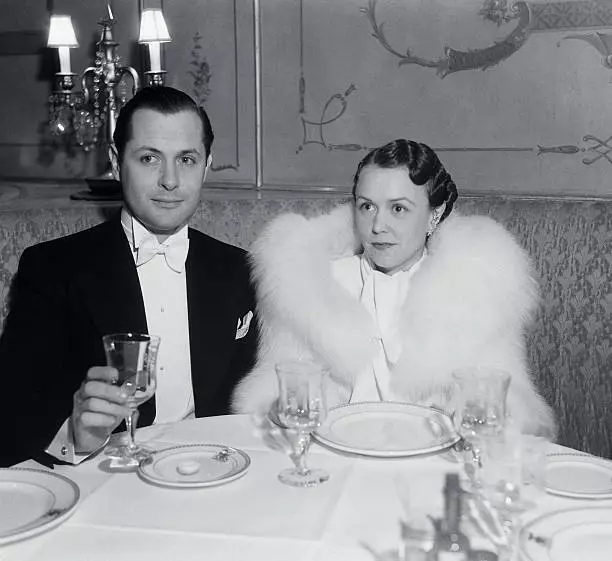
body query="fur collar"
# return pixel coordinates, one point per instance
(475, 282)
(467, 306)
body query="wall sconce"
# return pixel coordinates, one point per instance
(80, 116)
(154, 32)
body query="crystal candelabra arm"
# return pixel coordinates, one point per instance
(90, 70)
(87, 119)
(65, 81)
(153, 78)
(63, 105)
(132, 72)
(115, 98)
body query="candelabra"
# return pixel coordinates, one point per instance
(80, 117)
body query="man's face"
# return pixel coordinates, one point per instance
(164, 166)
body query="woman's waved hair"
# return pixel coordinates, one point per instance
(424, 168)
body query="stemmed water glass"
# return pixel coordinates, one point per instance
(480, 412)
(511, 481)
(300, 410)
(500, 462)
(134, 355)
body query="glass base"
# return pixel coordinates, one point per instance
(122, 457)
(295, 478)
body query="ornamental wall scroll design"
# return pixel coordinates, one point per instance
(200, 75)
(453, 59)
(200, 72)
(530, 18)
(333, 109)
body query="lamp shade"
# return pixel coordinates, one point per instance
(153, 27)
(61, 32)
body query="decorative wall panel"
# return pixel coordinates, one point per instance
(514, 95)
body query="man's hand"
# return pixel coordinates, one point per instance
(98, 408)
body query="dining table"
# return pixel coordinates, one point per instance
(354, 516)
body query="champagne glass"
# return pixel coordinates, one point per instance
(134, 355)
(300, 410)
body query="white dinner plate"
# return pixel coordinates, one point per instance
(578, 534)
(385, 429)
(195, 465)
(578, 476)
(33, 501)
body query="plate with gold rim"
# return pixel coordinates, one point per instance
(33, 501)
(578, 476)
(194, 466)
(386, 429)
(576, 534)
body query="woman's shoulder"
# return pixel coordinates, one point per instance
(480, 257)
(295, 223)
(478, 236)
(330, 234)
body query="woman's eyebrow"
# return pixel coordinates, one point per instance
(403, 199)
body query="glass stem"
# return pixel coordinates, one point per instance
(509, 552)
(130, 424)
(300, 451)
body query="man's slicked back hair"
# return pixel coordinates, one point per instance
(164, 100)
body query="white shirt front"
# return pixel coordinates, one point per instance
(164, 292)
(383, 296)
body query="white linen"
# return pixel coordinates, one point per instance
(382, 296)
(256, 517)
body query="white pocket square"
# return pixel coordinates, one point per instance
(243, 326)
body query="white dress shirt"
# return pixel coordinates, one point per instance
(383, 296)
(164, 292)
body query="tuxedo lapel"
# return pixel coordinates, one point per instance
(110, 287)
(210, 324)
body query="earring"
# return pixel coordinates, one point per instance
(433, 224)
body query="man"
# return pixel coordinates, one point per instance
(128, 275)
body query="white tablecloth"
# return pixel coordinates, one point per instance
(120, 517)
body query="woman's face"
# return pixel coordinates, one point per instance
(392, 215)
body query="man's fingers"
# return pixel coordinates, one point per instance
(90, 419)
(103, 390)
(106, 373)
(97, 405)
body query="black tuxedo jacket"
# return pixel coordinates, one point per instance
(69, 292)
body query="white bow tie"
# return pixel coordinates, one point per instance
(174, 251)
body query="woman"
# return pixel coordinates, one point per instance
(393, 295)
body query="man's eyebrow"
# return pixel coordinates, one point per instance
(190, 151)
(146, 148)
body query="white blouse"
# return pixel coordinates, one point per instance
(383, 296)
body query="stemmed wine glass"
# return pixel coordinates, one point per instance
(134, 355)
(300, 410)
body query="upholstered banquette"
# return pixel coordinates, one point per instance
(570, 241)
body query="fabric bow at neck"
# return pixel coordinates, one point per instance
(174, 250)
